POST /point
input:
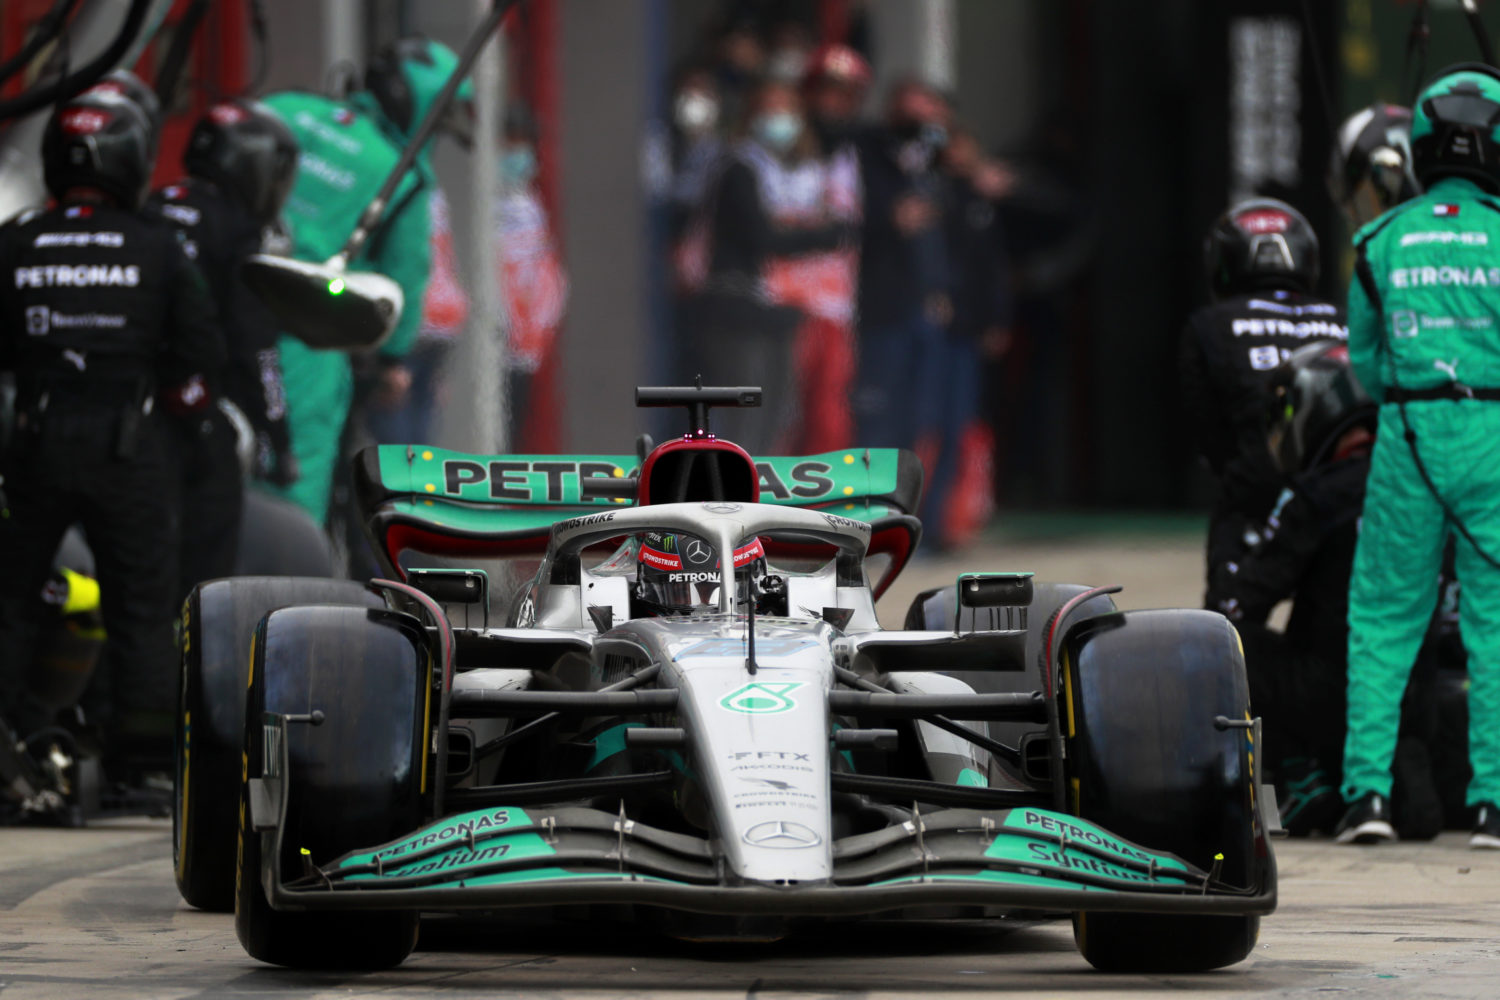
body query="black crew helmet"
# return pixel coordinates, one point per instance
(246, 150)
(1261, 244)
(1315, 398)
(1371, 170)
(133, 89)
(1455, 129)
(99, 140)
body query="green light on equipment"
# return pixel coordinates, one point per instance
(336, 286)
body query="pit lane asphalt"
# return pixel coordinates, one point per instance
(94, 913)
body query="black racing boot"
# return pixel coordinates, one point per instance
(1486, 833)
(1367, 821)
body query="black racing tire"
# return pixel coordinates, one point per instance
(353, 780)
(279, 538)
(1146, 761)
(218, 619)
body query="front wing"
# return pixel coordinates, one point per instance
(1022, 858)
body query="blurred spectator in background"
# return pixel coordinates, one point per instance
(960, 492)
(697, 144)
(906, 276)
(406, 418)
(741, 64)
(823, 284)
(530, 272)
(789, 52)
(772, 232)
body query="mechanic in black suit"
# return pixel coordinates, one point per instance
(101, 314)
(1320, 432)
(241, 161)
(1262, 258)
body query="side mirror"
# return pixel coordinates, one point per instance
(994, 590)
(323, 305)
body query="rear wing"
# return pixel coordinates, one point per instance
(451, 503)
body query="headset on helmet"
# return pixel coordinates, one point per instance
(99, 140)
(1315, 399)
(244, 148)
(679, 574)
(1259, 244)
(1371, 169)
(1455, 129)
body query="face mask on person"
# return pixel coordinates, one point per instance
(695, 111)
(777, 130)
(517, 166)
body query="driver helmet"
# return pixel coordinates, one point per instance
(678, 573)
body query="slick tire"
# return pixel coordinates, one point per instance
(353, 780)
(218, 619)
(1146, 761)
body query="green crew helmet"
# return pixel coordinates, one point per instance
(405, 78)
(1455, 130)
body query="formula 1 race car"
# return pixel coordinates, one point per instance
(686, 705)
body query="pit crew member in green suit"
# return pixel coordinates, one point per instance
(1424, 339)
(348, 148)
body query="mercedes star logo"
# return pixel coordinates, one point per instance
(779, 833)
(698, 553)
(722, 508)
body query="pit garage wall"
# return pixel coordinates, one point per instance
(1187, 105)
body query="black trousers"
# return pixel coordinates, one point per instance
(71, 470)
(211, 498)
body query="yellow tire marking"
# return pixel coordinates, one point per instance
(182, 806)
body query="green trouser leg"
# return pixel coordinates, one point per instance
(1393, 588)
(1392, 591)
(319, 387)
(1472, 488)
